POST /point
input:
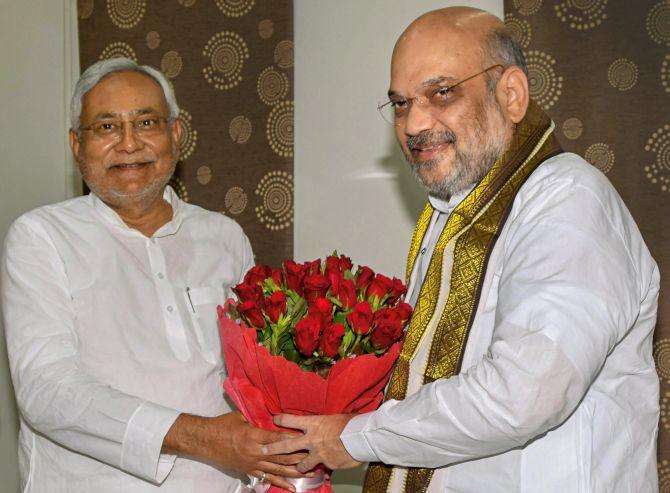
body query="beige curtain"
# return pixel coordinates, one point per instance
(231, 63)
(601, 69)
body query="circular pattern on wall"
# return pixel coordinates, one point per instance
(544, 85)
(658, 172)
(126, 13)
(573, 128)
(153, 40)
(235, 200)
(658, 22)
(284, 54)
(84, 8)
(189, 136)
(204, 175)
(118, 49)
(266, 28)
(226, 51)
(582, 14)
(663, 477)
(276, 192)
(520, 29)
(235, 8)
(665, 73)
(240, 129)
(178, 185)
(171, 64)
(271, 86)
(601, 156)
(527, 7)
(662, 357)
(279, 129)
(622, 74)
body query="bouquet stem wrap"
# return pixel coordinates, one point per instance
(263, 385)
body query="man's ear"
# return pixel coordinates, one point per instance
(176, 131)
(75, 145)
(512, 93)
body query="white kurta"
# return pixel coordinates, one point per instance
(110, 336)
(558, 390)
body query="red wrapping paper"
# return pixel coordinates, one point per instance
(263, 385)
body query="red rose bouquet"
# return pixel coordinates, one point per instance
(311, 338)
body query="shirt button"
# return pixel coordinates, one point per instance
(153, 240)
(423, 251)
(169, 308)
(160, 275)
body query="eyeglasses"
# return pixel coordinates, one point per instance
(435, 98)
(145, 126)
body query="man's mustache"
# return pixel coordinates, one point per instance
(428, 138)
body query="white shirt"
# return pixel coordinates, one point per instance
(110, 336)
(558, 390)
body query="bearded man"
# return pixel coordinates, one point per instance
(109, 305)
(527, 365)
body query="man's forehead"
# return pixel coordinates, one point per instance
(124, 92)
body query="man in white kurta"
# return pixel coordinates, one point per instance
(109, 305)
(554, 389)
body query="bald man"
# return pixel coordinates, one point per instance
(527, 365)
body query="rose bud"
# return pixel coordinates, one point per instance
(315, 286)
(275, 306)
(332, 265)
(276, 276)
(335, 278)
(360, 319)
(295, 273)
(397, 290)
(364, 276)
(256, 275)
(387, 328)
(379, 287)
(404, 311)
(313, 267)
(331, 340)
(306, 335)
(345, 263)
(322, 309)
(252, 314)
(347, 293)
(249, 292)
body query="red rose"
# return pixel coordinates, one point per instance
(335, 279)
(252, 314)
(331, 339)
(404, 311)
(345, 263)
(257, 274)
(249, 292)
(347, 293)
(379, 287)
(360, 319)
(322, 309)
(275, 306)
(276, 276)
(332, 264)
(397, 290)
(313, 267)
(307, 335)
(364, 276)
(315, 286)
(386, 329)
(295, 273)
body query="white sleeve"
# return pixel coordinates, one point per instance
(55, 398)
(568, 292)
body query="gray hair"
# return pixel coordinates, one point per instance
(501, 47)
(96, 72)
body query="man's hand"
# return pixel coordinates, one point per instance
(321, 439)
(231, 442)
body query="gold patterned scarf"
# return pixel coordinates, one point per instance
(470, 233)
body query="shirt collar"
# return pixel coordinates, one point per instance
(169, 228)
(447, 206)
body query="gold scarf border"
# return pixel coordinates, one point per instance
(474, 227)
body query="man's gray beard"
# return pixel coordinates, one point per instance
(468, 168)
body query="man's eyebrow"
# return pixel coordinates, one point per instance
(112, 114)
(435, 81)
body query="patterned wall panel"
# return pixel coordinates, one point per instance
(231, 63)
(601, 70)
